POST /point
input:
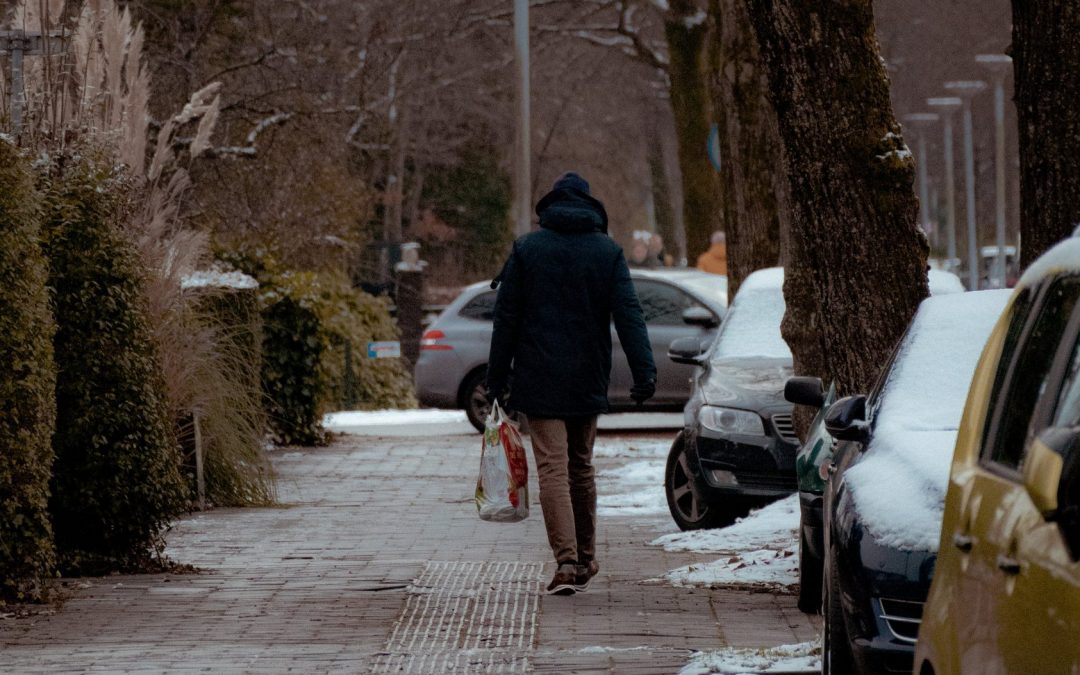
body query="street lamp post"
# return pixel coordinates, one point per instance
(522, 170)
(999, 66)
(920, 122)
(948, 106)
(966, 90)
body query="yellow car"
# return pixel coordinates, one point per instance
(1006, 591)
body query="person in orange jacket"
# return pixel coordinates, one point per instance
(715, 259)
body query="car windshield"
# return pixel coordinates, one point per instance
(900, 486)
(928, 383)
(752, 326)
(711, 287)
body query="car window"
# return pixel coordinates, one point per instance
(1067, 406)
(662, 304)
(481, 308)
(1023, 369)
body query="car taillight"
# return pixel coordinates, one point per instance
(430, 341)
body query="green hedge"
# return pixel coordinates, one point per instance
(27, 381)
(308, 319)
(116, 481)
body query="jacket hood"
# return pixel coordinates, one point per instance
(571, 210)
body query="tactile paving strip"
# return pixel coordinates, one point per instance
(466, 617)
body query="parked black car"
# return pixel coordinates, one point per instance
(737, 447)
(887, 481)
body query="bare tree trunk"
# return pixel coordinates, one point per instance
(1046, 62)
(753, 177)
(686, 30)
(856, 269)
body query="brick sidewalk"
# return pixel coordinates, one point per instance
(375, 562)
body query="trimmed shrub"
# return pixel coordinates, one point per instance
(116, 481)
(292, 352)
(27, 387)
(308, 319)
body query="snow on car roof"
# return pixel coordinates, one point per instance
(899, 487)
(752, 326)
(943, 283)
(1064, 257)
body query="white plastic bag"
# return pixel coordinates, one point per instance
(502, 490)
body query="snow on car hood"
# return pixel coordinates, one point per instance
(899, 486)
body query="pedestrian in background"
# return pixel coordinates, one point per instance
(551, 348)
(715, 259)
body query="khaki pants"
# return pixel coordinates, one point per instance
(563, 449)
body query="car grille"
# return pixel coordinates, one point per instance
(767, 479)
(903, 618)
(785, 428)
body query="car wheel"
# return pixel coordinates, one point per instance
(475, 402)
(836, 651)
(688, 511)
(810, 574)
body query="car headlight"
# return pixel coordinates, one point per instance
(730, 421)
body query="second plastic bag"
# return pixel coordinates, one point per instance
(502, 490)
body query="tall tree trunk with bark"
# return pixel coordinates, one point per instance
(686, 30)
(753, 176)
(1046, 62)
(659, 185)
(856, 269)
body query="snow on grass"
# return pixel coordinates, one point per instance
(899, 486)
(758, 551)
(802, 657)
(634, 489)
(218, 278)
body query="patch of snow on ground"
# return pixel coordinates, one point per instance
(907, 462)
(631, 449)
(802, 657)
(359, 418)
(772, 527)
(760, 550)
(635, 489)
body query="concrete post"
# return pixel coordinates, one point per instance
(948, 106)
(523, 146)
(967, 89)
(999, 65)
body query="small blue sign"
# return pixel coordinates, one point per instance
(384, 350)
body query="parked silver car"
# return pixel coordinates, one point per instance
(452, 367)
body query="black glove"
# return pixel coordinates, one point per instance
(643, 391)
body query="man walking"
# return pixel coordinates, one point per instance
(560, 289)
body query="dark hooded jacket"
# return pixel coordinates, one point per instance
(560, 290)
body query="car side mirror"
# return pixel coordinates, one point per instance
(699, 316)
(845, 420)
(805, 391)
(1052, 480)
(688, 350)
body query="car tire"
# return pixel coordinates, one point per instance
(836, 656)
(474, 399)
(687, 510)
(810, 577)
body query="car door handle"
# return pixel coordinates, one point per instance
(963, 542)
(1008, 565)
